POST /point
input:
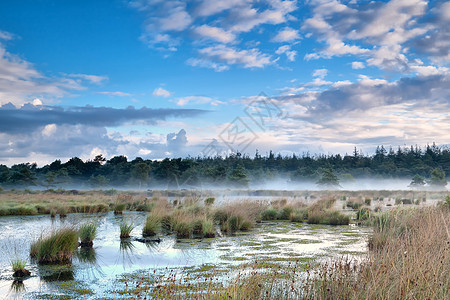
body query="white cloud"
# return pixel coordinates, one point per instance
(205, 63)
(251, 58)
(320, 73)
(4, 35)
(160, 92)
(49, 130)
(286, 35)
(90, 78)
(358, 65)
(198, 100)
(286, 49)
(215, 33)
(117, 94)
(21, 82)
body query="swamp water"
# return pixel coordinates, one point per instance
(103, 272)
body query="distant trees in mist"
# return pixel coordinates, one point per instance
(423, 166)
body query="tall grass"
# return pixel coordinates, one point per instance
(87, 232)
(125, 229)
(409, 259)
(412, 263)
(152, 225)
(58, 247)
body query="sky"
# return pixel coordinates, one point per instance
(169, 78)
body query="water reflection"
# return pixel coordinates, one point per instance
(56, 273)
(87, 255)
(126, 249)
(17, 286)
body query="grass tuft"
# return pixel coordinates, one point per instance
(57, 248)
(126, 229)
(88, 233)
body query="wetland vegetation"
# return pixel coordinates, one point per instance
(239, 244)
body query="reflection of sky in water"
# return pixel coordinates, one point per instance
(98, 268)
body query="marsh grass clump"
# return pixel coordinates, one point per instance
(125, 229)
(18, 266)
(210, 201)
(87, 233)
(298, 215)
(57, 248)
(328, 217)
(269, 214)
(152, 225)
(119, 208)
(208, 228)
(363, 214)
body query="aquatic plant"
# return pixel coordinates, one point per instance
(209, 201)
(119, 208)
(269, 214)
(58, 247)
(87, 233)
(152, 225)
(329, 217)
(126, 229)
(18, 266)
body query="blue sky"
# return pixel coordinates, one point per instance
(155, 78)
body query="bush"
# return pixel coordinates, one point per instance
(367, 201)
(269, 214)
(56, 248)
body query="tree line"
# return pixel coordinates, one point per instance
(423, 166)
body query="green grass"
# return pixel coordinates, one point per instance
(269, 214)
(125, 229)
(152, 226)
(329, 217)
(18, 264)
(208, 229)
(88, 233)
(58, 247)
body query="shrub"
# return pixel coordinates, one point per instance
(269, 214)
(87, 233)
(56, 248)
(125, 229)
(367, 201)
(152, 226)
